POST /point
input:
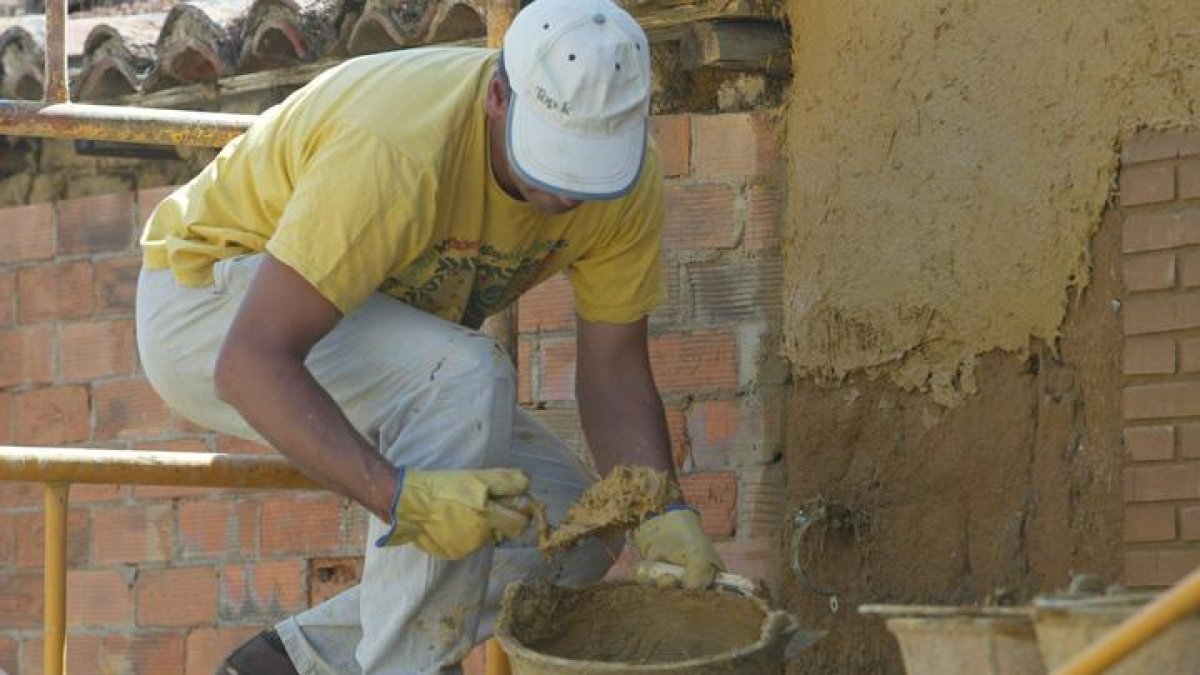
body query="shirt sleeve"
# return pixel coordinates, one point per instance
(621, 279)
(354, 216)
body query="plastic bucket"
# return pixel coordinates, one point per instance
(1066, 625)
(625, 627)
(957, 640)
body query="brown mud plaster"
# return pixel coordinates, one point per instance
(949, 164)
(635, 624)
(618, 502)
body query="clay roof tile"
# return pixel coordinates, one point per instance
(118, 56)
(200, 40)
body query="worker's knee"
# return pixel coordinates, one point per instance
(473, 360)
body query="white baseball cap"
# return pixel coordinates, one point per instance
(580, 77)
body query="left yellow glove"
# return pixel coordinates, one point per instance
(676, 537)
(452, 514)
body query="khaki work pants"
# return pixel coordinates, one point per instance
(428, 394)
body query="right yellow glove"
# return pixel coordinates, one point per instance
(676, 537)
(452, 514)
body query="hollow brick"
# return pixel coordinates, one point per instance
(98, 598)
(145, 653)
(208, 647)
(27, 355)
(301, 524)
(92, 350)
(96, 224)
(673, 137)
(131, 534)
(28, 233)
(732, 144)
(53, 292)
(181, 596)
(699, 217)
(263, 590)
(129, 408)
(52, 416)
(714, 495)
(116, 285)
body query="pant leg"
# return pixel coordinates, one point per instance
(429, 394)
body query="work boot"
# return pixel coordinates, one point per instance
(262, 654)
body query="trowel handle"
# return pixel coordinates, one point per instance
(652, 570)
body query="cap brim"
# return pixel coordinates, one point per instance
(573, 165)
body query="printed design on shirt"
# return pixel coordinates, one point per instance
(466, 281)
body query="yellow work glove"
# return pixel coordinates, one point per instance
(676, 537)
(452, 514)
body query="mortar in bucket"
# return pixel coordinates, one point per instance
(631, 627)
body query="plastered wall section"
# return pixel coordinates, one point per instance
(169, 580)
(950, 162)
(1160, 213)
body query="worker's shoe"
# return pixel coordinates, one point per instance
(262, 654)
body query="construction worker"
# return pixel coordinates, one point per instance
(320, 284)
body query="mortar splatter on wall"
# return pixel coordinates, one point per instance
(949, 164)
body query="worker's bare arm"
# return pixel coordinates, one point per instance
(619, 403)
(261, 372)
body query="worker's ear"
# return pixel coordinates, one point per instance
(496, 101)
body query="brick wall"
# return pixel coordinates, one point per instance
(1160, 208)
(168, 580)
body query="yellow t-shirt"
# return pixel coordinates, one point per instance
(375, 176)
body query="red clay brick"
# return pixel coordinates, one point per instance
(354, 527)
(1148, 184)
(8, 539)
(1149, 146)
(1158, 313)
(240, 446)
(1189, 144)
(52, 292)
(554, 378)
(1189, 440)
(300, 524)
(184, 596)
(1149, 272)
(1149, 523)
(525, 371)
(1189, 355)
(673, 136)
(689, 363)
(263, 590)
(98, 494)
(699, 217)
(19, 495)
(83, 655)
(8, 297)
(714, 495)
(1175, 564)
(1189, 269)
(1148, 356)
(131, 534)
(206, 648)
(1189, 179)
(116, 284)
(677, 429)
(213, 529)
(96, 224)
(1172, 399)
(99, 598)
(1189, 523)
(733, 291)
(27, 355)
(764, 501)
(143, 653)
(764, 209)
(754, 558)
(1163, 482)
(732, 144)
(21, 599)
(52, 416)
(31, 538)
(9, 654)
(95, 349)
(6, 418)
(1150, 231)
(28, 233)
(129, 408)
(1147, 444)
(148, 199)
(712, 426)
(548, 307)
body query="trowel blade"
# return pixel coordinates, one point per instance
(803, 639)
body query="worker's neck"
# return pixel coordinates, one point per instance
(498, 158)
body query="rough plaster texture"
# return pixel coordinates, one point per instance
(950, 161)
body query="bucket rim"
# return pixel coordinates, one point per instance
(947, 612)
(777, 627)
